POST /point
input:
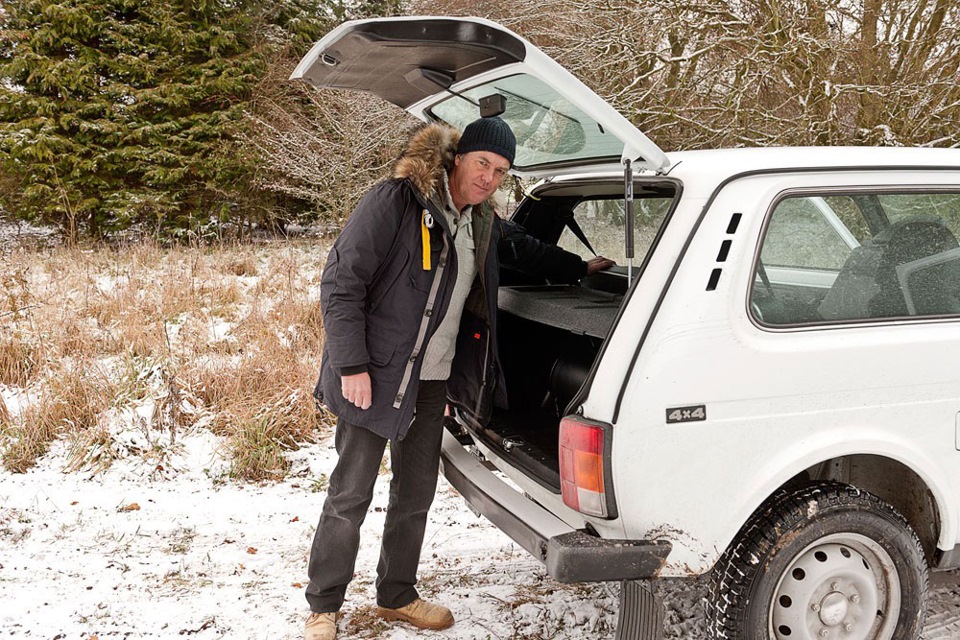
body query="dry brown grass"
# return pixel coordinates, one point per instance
(92, 449)
(364, 622)
(72, 398)
(18, 361)
(262, 405)
(241, 265)
(225, 337)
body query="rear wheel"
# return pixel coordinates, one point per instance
(828, 561)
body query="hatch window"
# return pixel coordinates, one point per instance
(550, 130)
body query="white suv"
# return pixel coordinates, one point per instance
(766, 389)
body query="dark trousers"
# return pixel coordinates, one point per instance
(414, 462)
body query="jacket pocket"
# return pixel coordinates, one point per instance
(387, 275)
(380, 351)
(386, 370)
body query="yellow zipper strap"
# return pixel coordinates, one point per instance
(425, 238)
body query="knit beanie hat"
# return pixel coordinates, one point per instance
(489, 134)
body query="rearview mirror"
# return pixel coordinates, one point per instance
(492, 105)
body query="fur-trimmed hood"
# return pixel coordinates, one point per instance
(429, 153)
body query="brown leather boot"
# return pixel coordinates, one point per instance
(321, 626)
(421, 614)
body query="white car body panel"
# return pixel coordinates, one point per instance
(719, 358)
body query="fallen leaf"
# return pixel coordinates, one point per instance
(133, 506)
(251, 550)
(296, 519)
(297, 585)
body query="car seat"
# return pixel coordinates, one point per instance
(870, 284)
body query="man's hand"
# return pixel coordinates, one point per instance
(599, 264)
(357, 390)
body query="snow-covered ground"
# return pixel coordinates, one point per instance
(140, 552)
(163, 544)
(177, 550)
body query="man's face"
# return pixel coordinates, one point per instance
(475, 176)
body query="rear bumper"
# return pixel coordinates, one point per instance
(570, 555)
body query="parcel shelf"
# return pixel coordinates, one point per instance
(570, 307)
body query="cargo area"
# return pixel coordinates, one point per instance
(550, 334)
(545, 362)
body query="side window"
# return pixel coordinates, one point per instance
(806, 233)
(601, 223)
(858, 257)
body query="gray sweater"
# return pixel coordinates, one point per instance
(440, 350)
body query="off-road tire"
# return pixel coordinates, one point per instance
(813, 563)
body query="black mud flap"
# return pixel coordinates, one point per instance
(641, 613)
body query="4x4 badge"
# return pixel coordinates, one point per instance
(694, 413)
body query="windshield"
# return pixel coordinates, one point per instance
(549, 129)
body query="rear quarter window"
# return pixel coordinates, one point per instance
(858, 257)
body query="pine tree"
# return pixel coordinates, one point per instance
(115, 113)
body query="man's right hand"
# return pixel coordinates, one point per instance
(356, 389)
(599, 263)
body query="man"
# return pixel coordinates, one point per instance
(416, 260)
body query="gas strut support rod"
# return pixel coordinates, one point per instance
(628, 218)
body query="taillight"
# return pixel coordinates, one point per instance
(581, 466)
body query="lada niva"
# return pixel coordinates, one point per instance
(766, 389)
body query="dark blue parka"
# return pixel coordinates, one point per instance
(382, 300)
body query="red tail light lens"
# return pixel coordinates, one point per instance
(581, 466)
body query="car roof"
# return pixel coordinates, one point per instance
(739, 160)
(706, 169)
